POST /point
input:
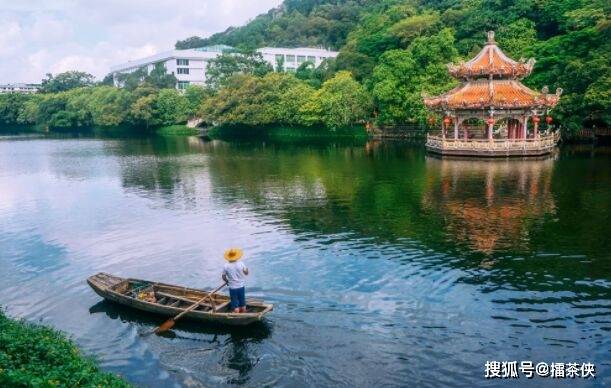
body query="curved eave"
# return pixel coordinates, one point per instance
(519, 71)
(503, 94)
(491, 60)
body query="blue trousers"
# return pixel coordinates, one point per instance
(238, 297)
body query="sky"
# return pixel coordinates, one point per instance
(51, 36)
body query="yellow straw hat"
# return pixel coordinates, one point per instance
(233, 254)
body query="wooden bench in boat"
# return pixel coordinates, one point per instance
(188, 302)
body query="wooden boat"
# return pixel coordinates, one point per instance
(169, 300)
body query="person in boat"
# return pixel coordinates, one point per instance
(234, 274)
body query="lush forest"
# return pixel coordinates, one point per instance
(398, 48)
(391, 51)
(80, 103)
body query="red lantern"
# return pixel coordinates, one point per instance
(549, 119)
(447, 120)
(490, 121)
(536, 119)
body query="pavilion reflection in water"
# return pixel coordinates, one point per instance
(490, 205)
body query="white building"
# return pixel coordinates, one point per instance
(19, 88)
(189, 66)
(294, 57)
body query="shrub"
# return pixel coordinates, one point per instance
(33, 356)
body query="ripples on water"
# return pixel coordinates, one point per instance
(387, 267)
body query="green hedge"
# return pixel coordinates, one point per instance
(38, 356)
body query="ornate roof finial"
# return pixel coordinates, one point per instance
(491, 37)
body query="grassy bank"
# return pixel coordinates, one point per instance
(176, 130)
(112, 131)
(7, 129)
(283, 133)
(32, 355)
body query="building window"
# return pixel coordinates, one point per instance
(182, 62)
(301, 58)
(183, 84)
(182, 70)
(290, 69)
(311, 58)
(279, 58)
(290, 58)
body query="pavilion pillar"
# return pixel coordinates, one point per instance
(536, 127)
(516, 128)
(525, 128)
(456, 128)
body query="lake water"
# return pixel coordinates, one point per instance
(386, 266)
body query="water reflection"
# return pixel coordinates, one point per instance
(386, 266)
(235, 360)
(489, 205)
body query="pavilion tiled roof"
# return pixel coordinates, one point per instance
(491, 60)
(483, 93)
(492, 80)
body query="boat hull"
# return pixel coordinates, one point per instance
(106, 286)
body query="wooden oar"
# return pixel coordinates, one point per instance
(167, 325)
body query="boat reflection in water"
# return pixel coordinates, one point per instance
(489, 205)
(226, 345)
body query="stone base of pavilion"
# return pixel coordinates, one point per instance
(544, 144)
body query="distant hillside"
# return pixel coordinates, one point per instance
(295, 23)
(379, 39)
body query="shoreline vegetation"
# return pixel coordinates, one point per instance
(391, 53)
(34, 355)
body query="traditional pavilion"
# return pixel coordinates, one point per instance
(491, 95)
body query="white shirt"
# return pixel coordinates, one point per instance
(234, 271)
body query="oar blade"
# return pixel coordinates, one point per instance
(167, 325)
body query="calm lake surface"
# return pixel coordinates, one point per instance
(386, 266)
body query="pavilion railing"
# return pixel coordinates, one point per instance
(544, 141)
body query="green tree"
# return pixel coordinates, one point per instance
(195, 95)
(132, 80)
(340, 102)
(311, 74)
(109, 106)
(11, 107)
(414, 26)
(143, 110)
(291, 103)
(171, 107)
(221, 68)
(66, 81)
(249, 100)
(403, 75)
(159, 77)
(517, 38)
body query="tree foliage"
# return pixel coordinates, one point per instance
(284, 99)
(390, 52)
(340, 102)
(221, 68)
(158, 78)
(66, 81)
(403, 75)
(569, 39)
